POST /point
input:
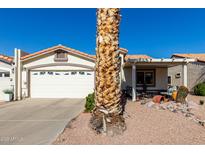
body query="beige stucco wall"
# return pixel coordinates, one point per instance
(5, 82)
(161, 78)
(4, 67)
(172, 71)
(61, 68)
(49, 59)
(195, 74)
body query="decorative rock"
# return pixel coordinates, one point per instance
(192, 105)
(150, 104)
(158, 99)
(175, 107)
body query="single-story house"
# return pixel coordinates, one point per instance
(196, 73)
(5, 74)
(63, 72)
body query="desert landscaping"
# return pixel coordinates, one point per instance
(145, 125)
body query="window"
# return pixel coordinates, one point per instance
(42, 73)
(61, 56)
(66, 74)
(169, 80)
(50, 73)
(35, 73)
(178, 75)
(73, 73)
(7, 74)
(82, 73)
(88, 73)
(140, 77)
(149, 77)
(57, 73)
(145, 77)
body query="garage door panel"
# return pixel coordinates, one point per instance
(62, 85)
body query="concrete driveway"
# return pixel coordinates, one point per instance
(36, 121)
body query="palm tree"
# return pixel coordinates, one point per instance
(107, 115)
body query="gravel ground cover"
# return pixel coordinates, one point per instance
(199, 111)
(2, 102)
(144, 126)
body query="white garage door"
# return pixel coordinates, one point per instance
(4, 83)
(58, 84)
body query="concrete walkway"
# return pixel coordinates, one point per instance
(36, 121)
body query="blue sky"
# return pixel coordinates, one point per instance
(156, 32)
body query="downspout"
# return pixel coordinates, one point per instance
(19, 72)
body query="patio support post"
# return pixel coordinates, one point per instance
(15, 73)
(184, 66)
(133, 82)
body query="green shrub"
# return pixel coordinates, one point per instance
(182, 94)
(199, 89)
(8, 91)
(90, 103)
(201, 102)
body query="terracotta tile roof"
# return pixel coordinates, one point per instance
(48, 50)
(200, 57)
(6, 58)
(137, 57)
(123, 50)
(94, 56)
(132, 56)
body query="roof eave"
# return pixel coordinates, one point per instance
(52, 49)
(163, 60)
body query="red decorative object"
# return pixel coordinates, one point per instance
(158, 99)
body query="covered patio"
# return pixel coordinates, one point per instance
(150, 75)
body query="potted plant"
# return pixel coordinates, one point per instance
(8, 95)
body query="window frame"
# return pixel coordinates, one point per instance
(59, 59)
(82, 73)
(8, 75)
(73, 73)
(42, 73)
(169, 76)
(144, 71)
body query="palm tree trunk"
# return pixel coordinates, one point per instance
(107, 115)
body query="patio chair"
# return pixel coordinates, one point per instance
(169, 91)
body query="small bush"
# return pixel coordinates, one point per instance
(90, 103)
(8, 91)
(199, 89)
(182, 94)
(201, 102)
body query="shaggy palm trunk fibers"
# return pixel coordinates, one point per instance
(107, 115)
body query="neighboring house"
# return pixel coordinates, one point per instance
(5, 74)
(196, 71)
(63, 72)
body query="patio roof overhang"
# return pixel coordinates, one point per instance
(151, 62)
(161, 62)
